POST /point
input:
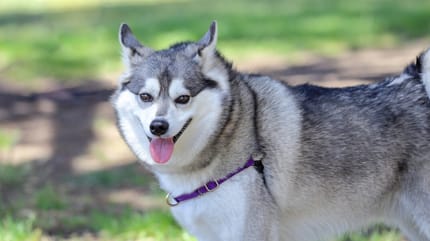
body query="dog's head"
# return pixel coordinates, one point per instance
(169, 102)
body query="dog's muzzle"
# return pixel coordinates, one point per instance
(175, 137)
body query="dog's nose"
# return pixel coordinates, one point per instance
(159, 127)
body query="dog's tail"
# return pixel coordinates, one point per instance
(423, 65)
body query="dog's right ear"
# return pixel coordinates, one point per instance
(132, 50)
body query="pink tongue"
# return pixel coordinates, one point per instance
(161, 149)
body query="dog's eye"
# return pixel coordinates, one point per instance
(145, 97)
(183, 99)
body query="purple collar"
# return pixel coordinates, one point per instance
(208, 187)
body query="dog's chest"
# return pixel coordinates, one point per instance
(218, 215)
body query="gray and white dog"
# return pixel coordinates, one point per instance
(326, 161)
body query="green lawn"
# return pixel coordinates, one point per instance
(125, 226)
(77, 40)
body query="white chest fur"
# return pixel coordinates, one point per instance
(220, 214)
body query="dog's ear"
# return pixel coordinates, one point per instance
(132, 50)
(423, 63)
(213, 66)
(207, 45)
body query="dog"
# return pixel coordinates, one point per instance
(247, 157)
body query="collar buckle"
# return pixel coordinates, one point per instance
(209, 187)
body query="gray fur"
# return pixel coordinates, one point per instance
(335, 160)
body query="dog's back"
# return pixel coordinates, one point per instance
(364, 156)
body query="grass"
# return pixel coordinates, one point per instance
(12, 229)
(129, 225)
(13, 175)
(122, 226)
(377, 233)
(48, 198)
(8, 138)
(10, 175)
(127, 175)
(71, 42)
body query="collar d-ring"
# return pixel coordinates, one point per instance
(170, 200)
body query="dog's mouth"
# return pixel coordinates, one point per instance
(176, 137)
(162, 148)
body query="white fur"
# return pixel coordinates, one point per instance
(125, 57)
(220, 76)
(177, 88)
(226, 207)
(399, 79)
(425, 71)
(124, 78)
(126, 105)
(152, 86)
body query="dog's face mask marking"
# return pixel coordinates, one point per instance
(165, 113)
(165, 97)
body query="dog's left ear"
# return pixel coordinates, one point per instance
(213, 66)
(207, 45)
(423, 62)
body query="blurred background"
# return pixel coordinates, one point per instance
(65, 173)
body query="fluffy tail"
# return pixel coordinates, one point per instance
(424, 65)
